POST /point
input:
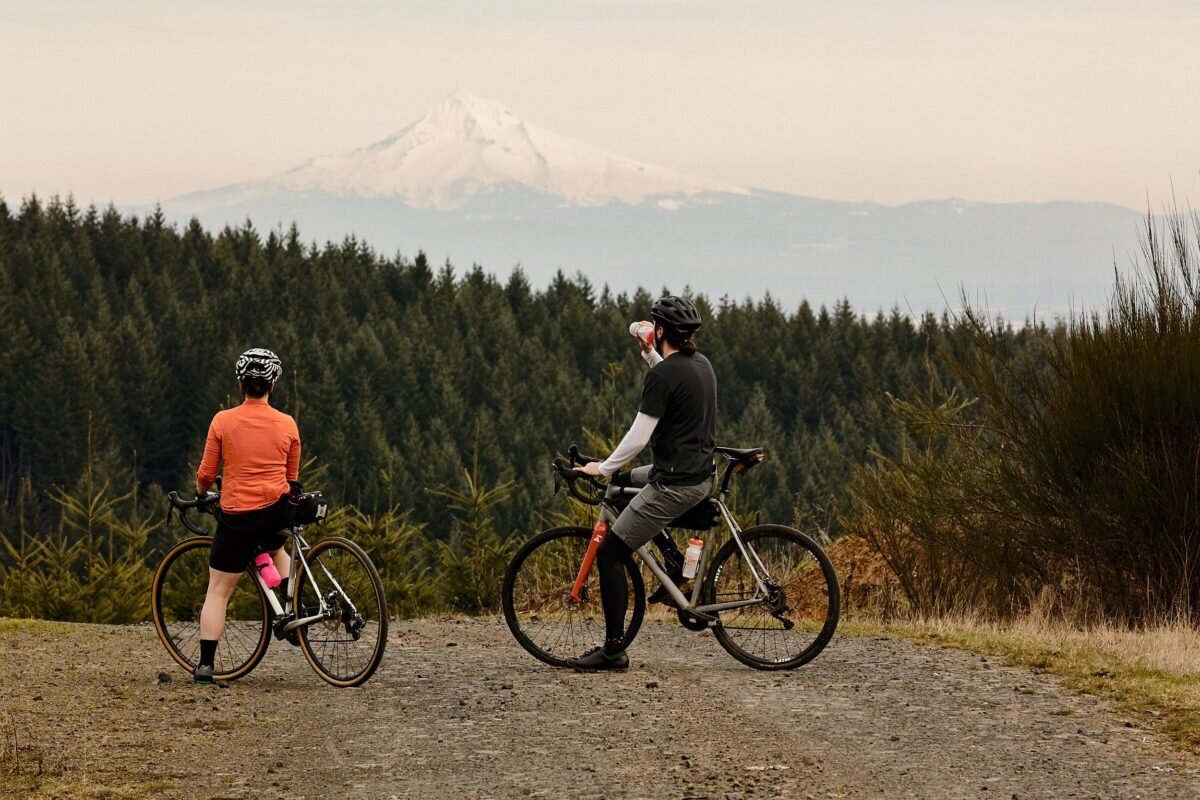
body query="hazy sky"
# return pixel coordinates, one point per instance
(884, 101)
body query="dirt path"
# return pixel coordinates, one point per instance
(459, 711)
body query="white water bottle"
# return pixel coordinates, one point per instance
(642, 331)
(691, 558)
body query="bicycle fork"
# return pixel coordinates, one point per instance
(589, 559)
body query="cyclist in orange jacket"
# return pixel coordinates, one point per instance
(260, 450)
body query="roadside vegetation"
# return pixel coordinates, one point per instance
(1065, 478)
(1045, 507)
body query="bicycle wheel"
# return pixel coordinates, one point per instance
(537, 597)
(176, 597)
(797, 618)
(345, 647)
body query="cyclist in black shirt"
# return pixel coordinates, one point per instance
(678, 419)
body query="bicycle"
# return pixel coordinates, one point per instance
(770, 595)
(337, 617)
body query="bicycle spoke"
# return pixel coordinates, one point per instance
(790, 624)
(346, 646)
(180, 587)
(537, 598)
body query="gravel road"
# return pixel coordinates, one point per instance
(458, 710)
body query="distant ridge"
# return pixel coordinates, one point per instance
(473, 183)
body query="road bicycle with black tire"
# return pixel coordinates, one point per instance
(334, 610)
(769, 593)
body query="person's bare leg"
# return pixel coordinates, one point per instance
(212, 616)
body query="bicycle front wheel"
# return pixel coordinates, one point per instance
(798, 614)
(537, 597)
(346, 646)
(177, 596)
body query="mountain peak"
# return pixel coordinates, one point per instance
(467, 145)
(466, 114)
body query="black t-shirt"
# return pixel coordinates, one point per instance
(682, 392)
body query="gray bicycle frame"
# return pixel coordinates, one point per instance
(299, 546)
(609, 513)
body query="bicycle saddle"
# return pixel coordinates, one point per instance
(739, 454)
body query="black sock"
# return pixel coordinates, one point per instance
(613, 646)
(208, 652)
(283, 588)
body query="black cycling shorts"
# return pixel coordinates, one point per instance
(241, 537)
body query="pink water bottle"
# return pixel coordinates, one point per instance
(266, 568)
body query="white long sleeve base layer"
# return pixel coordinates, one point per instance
(635, 439)
(639, 433)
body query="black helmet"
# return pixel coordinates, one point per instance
(676, 313)
(258, 363)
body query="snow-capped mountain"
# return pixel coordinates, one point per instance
(467, 146)
(473, 183)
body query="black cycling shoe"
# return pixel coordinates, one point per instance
(203, 674)
(661, 595)
(596, 660)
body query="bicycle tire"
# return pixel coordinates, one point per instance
(561, 551)
(816, 602)
(176, 597)
(325, 642)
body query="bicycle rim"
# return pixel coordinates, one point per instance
(347, 646)
(537, 603)
(176, 598)
(792, 627)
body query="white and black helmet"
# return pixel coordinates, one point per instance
(258, 363)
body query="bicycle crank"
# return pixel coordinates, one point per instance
(697, 621)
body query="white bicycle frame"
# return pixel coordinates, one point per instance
(299, 547)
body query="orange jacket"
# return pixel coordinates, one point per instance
(260, 448)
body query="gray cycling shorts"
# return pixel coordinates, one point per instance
(655, 507)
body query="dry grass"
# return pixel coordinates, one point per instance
(29, 770)
(25, 767)
(23, 625)
(1152, 671)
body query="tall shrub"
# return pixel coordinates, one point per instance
(1078, 470)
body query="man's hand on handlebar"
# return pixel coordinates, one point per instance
(581, 476)
(591, 468)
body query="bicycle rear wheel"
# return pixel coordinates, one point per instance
(345, 647)
(537, 597)
(797, 618)
(176, 598)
